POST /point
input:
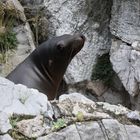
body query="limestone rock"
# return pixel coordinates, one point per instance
(24, 47)
(69, 133)
(31, 2)
(32, 127)
(76, 104)
(117, 110)
(126, 64)
(134, 115)
(125, 21)
(101, 130)
(17, 9)
(6, 137)
(133, 132)
(4, 123)
(19, 99)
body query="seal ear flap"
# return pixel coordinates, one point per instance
(61, 45)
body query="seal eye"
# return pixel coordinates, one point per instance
(60, 46)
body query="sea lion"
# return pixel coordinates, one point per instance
(44, 68)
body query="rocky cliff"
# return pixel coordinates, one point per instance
(112, 48)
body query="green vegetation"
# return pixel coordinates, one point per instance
(7, 36)
(16, 118)
(59, 124)
(103, 70)
(14, 132)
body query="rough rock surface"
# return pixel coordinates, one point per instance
(107, 128)
(74, 116)
(6, 137)
(18, 99)
(24, 38)
(125, 55)
(16, 6)
(125, 20)
(125, 62)
(33, 127)
(4, 123)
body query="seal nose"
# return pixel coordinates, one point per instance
(83, 37)
(80, 37)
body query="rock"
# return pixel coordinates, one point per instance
(79, 106)
(134, 115)
(4, 123)
(19, 99)
(96, 88)
(125, 20)
(69, 133)
(6, 137)
(135, 101)
(125, 62)
(76, 98)
(90, 131)
(25, 43)
(117, 110)
(32, 128)
(136, 45)
(24, 47)
(113, 129)
(14, 5)
(113, 97)
(31, 2)
(133, 132)
(96, 130)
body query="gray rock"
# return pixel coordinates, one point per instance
(126, 64)
(90, 131)
(114, 130)
(4, 123)
(19, 99)
(75, 104)
(24, 47)
(6, 137)
(133, 132)
(101, 130)
(115, 109)
(135, 102)
(17, 7)
(125, 21)
(134, 115)
(69, 133)
(31, 2)
(32, 127)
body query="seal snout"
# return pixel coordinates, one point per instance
(80, 37)
(80, 40)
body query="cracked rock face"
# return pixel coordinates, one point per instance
(125, 62)
(125, 50)
(18, 99)
(125, 20)
(4, 123)
(32, 128)
(6, 137)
